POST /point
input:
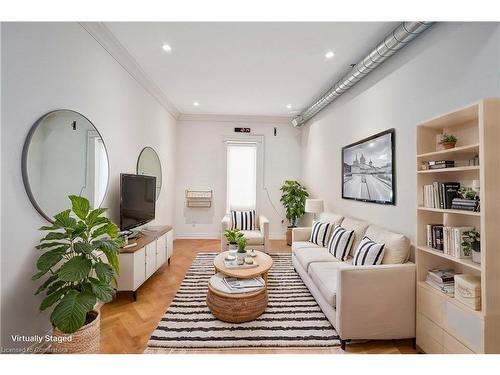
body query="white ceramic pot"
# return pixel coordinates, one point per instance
(232, 247)
(240, 257)
(476, 257)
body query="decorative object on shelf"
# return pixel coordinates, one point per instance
(467, 199)
(78, 277)
(75, 161)
(314, 206)
(242, 253)
(293, 198)
(468, 290)
(472, 245)
(232, 236)
(466, 193)
(148, 164)
(199, 198)
(448, 141)
(368, 166)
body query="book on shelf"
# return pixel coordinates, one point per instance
(465, 204)
(446, 289)
(435, 236)
(440, 194)
(442, 275)
(447, 239)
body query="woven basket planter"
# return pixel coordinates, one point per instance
(85, 341)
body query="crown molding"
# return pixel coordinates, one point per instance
(235, 118)
(104, 36)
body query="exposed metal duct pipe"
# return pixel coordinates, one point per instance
(397, 39)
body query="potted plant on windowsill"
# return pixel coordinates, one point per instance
(472, 244)
(293, 198)
(72, 256)
(448, 141)
(232, 236)
(242, 252)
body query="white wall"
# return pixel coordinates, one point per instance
(446, 68)
(201, 165)
(47, 66)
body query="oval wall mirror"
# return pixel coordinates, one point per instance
(149, 164)
(64, 154)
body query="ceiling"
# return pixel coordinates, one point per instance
(246, 68)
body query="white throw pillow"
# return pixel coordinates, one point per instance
(341, 242)
(368, 253)
(320, 233)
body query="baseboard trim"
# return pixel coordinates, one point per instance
(216, 236)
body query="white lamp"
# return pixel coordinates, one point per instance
(314, 206)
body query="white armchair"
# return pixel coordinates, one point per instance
(257, 239)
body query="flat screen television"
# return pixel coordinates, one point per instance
(137, 200)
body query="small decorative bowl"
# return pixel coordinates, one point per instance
(252, 253)
(248, 260)
(230, 257)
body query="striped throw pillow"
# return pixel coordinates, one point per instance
(341, 242)
(320, 233)
(243, 220)
(368, 253)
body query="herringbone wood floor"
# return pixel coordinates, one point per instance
(127, 325)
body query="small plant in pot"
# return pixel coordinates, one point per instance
(242, 252)
(232, 236)
(448, 141)
(472, 245)
(293, 198)
(78, 277)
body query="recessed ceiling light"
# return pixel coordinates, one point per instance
(166, 47)
(196, 104)
(289, 106)
(329, 54)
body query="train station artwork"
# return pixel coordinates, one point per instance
(368, 169)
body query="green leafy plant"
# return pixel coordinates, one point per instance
(466, 193)
(293, 198)
(232, 235)
(242, 244)
(448, 138)
(471, 241)
(71, 259)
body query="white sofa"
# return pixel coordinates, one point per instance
(257, 239)
(361, 302)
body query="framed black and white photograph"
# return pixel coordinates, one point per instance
(368, 169)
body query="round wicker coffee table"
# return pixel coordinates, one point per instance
(239, 307)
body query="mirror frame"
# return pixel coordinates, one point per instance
(24, 160)
(159, 161)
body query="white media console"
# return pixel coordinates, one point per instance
(137, 263)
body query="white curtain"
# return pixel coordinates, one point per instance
(241, 176)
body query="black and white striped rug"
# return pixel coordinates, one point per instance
(292, 318)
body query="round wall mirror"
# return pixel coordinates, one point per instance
(149, 164)
(63, 155)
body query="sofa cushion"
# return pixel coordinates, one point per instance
(359, 227)
(320, 233)
(397, 246)
(302, 245)
(306, 256)
(368, 253)
(330, 217)
(324, 276)
(254, 237)
(340, 242)
(243, 220)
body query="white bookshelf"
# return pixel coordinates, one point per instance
(445, 325)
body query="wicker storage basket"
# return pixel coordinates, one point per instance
(86, 340)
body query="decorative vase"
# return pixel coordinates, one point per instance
(449, 145)
(85, 340)
(240, 257)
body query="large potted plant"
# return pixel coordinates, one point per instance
(232, 236)
(293, 198)
(73, 251)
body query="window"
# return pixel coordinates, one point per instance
(241, 176)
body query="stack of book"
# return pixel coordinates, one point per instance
(440, 164)
(440, 194)
(442, 280)
(465, 204)
(242, 285)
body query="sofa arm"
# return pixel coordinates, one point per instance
(376, 302)
(301, 234)
(225, 224)
(264, 229)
